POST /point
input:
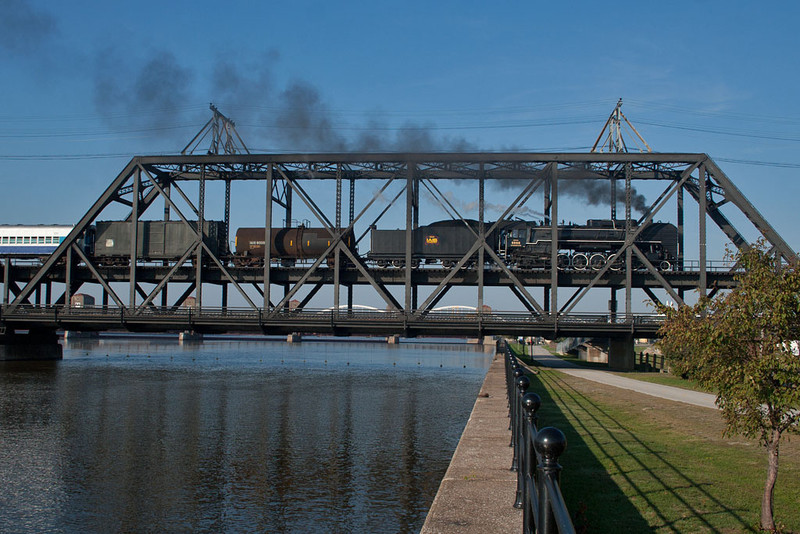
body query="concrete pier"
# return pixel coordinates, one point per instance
(190, 337)
(75, 334)
(477, 492)
(620, 354)
(34, 345)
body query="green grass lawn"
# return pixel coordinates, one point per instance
(639, 464)
(658, 378)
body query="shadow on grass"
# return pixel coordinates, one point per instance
(594, 500)
(616, 480)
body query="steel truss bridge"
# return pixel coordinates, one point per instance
(151, 296)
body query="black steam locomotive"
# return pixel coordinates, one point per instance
(526, 244)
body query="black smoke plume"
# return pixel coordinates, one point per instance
(23, 29)
(151, 96)
(582, 184)
(291, 116)
(305, 122)
(598, 193)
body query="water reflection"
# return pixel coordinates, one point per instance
(131, 435)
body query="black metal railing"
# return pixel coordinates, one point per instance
(649, 362)
(535, 459)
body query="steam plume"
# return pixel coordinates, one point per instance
(584, 185)
(598, 193)
(151, 96)
(295, 117)
(23, 30)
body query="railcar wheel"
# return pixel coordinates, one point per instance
(563, 261)
(447, 264)
(397, 263)
(664, 266)
(580, 261)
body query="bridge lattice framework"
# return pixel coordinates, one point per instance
(150, 181)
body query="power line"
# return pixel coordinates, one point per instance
(775, 164)
(719, 132)
(279, 150)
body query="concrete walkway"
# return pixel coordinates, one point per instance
(696, 398)
(477, 493)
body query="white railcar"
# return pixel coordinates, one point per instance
(36, 240)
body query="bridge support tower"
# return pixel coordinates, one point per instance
(620, 353)
(31, 346)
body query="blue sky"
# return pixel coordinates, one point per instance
(86, 85)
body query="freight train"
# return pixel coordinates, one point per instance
(520, 244)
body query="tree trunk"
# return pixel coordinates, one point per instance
(767, 521)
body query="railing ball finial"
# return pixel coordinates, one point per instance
(550, 442)
(522, 382)
(531, 402)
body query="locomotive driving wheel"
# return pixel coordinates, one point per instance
(580, 261)
(597, 261)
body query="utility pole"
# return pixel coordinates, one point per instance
(614, 142)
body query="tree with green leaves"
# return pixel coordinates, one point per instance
(743, 345)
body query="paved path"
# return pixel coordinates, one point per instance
(697, 398)
(477, 493)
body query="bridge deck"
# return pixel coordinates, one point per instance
(329, 322)
(686, 279)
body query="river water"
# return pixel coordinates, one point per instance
(149, 435)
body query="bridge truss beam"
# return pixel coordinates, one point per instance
(179, 182)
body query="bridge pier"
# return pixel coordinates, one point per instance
(33, 345)
(620, 353)
(485, 340)
(190, 337)
(80, 334)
